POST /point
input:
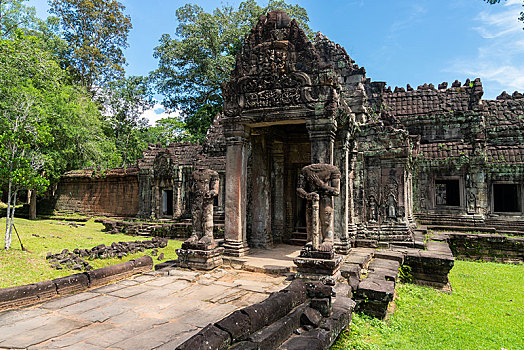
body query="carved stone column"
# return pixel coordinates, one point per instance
(259, 210)
(236, 181)
(277, 195)
(342, 244)
(352, 219)
(177, 194)
(322, 137)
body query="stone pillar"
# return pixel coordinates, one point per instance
(177, 194)
(322, 137)
(260, 195)
(342, 243)
(236, 181)
(277, 195)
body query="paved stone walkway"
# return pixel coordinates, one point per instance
(150, 311)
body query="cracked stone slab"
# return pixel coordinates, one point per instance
(51, 329)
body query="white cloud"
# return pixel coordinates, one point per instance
(499, 60)
(158, 112)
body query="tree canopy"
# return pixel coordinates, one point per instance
(96, 33)
(201, 56)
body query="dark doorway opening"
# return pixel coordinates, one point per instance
(506, 198)
(167, 202)
(447, 192)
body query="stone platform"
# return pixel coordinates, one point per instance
(277, 260)
(152, 311)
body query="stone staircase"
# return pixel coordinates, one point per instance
(299, 236)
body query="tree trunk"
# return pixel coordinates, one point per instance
(7, 218)
(12, 218)
(32, 205)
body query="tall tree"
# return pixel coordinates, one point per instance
(14, 14)
(96, 32)
(194, 63)
(125, 102)
(28, 79)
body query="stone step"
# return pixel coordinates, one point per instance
(301, 235)
(297, 241)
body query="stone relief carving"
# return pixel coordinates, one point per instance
(318, 183)
(471, 203)
(391, 207)
(162, 166)
(373, 209)
(204, 188)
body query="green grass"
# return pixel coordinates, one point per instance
(484, 311)
(18, 267)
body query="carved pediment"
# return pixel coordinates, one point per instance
(163, 167)
(277, 68)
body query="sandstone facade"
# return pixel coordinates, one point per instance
(441, 155)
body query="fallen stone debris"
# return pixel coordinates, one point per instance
(74, 260)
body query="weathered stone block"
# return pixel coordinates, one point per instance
(20, 295)
(209, 338)
(238, 325)
(71, 284)
(311, 317)
(200, 259)
(109, 273)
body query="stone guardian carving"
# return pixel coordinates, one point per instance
(204, 189)
(201, 251)
(318, 183)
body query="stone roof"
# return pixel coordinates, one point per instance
(215, 142)
(427, 99)
(505, 118)
(506, 154)
(445, 150)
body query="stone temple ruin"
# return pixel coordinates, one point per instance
(309, 151)
(438, 156)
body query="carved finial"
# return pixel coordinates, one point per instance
(456, 84)
(443, 86)
(504, 96)
(409, 88)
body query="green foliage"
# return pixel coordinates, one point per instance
(168, 130)
(96, 33)
(484, 311)
(405, 275)
(125, 102)
(194, 63)
(28, 79)
(78, 136)
(15, 15)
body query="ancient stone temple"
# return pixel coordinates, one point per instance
(438, 156)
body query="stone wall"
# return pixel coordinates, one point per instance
(486, 247)
(111, 193)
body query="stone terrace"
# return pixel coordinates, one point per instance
(151, 311)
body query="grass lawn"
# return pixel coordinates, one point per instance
(18, 267)
(485, 311)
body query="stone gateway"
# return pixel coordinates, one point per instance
(435, 155)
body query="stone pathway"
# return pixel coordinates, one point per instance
(152, 311)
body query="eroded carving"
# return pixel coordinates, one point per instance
(318, 183)
(204, 188)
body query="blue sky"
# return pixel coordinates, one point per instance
(400, 42)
